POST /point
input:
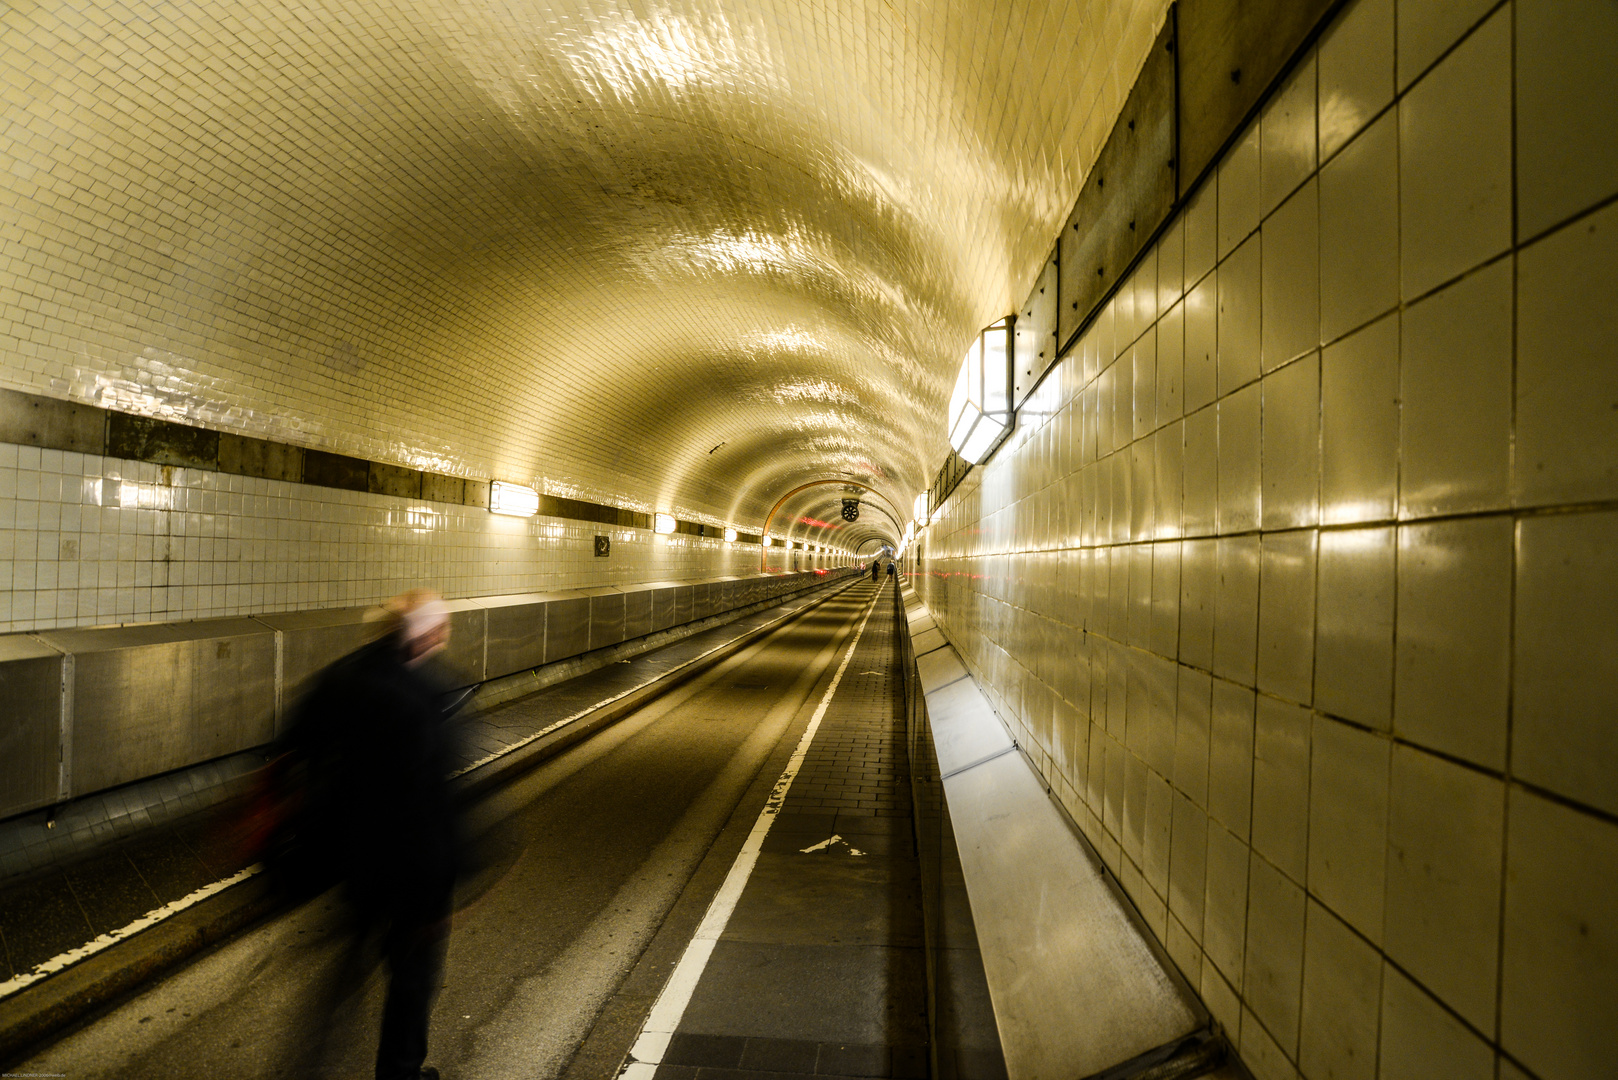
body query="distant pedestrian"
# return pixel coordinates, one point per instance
(876, 568)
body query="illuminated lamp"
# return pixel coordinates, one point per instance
(730, 536)
(766, 542)
(513, 500)
(663, 523)
(980, 412)
(919, 508)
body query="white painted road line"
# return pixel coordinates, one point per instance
(666, 1014)
(113, 937)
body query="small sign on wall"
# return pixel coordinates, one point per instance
(603, 546)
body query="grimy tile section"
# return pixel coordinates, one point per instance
(821, 969)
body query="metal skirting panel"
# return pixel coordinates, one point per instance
(91, 709)
(1076, 987)
(128, 680)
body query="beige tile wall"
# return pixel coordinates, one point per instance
(1297, 581)
(87, 540)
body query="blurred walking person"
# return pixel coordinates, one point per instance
(366, 761)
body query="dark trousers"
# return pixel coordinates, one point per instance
(415, 942)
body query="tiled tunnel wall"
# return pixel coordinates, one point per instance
(87, 540)
(1296, 581)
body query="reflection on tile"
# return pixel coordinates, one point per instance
(1565, 689)
(1224, 925)
(1201, 478)
(1193, 717)
(1359, 230)
(1455, 161)
(1455, 389)
(1559, 992)
(1201, 358)
(1359, 425)
(1453, 637)
(1354, 626)
(1287, 138)
(1236, 608)
(1202, 231)
(1567, 383)
(1198, 578)
(1240, 488)
(1188, 863)
(1348, 813)
(1443, 900)
(1356, 71)
(1566, 162)
(1286, 615)
(1342, 997)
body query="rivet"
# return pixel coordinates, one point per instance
(1236, 75)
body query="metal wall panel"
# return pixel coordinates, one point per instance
(567, 625)
(128, 683)
(1129, 192)
(637, 611)
(468, 629)
(1230, 53)
(311, 640)
(606, 617)
(663, 606)
(702, 599)
(514, 633)
(30, 729)
(1034, 343)
(682, 604)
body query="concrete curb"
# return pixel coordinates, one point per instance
(39, 1012)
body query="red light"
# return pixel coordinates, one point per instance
(815, 522)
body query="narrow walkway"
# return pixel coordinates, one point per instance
(820, 970)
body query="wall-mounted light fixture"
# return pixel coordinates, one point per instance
(919, 509)
(513, 500)
(980, 412)
(766, 542)
(663, 523)
(730, 536)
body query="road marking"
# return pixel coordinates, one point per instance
(113, 937)
(826, 844)
(666, 1014)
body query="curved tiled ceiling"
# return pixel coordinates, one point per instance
(678, 255)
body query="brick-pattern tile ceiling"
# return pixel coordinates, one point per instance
(672, 254)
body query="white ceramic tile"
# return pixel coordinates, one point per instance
(1169, 487)
(1230, 758)
(1240, 489)
(1159, 821)
(1359, 425)
(1455, 393)
(1442, 919)
(1342, 1000)
(1453, 637)
(1188, 864)
(1193, 719)
(1273, 973)
(1291, 445)
(1221, 1000)
(1281, 785)
(1236, 608)
(1145, 390)
(1287, 138)
(1291, 278)
(1239, 191)
(1239, 323)
(1567, 51)
(1559, 982)
(1455, 161)
(1184, 951)
(1348, 822)
(1202, 232)
(1171, 364)
(1171, 264)
(1359, 230)
(1356, 71)
(1429, 27)
(1286, 615)
(1201, 477)
(1354, 626)
(1262, 1054)
(1224, 922)
(1198, 575)
(1565, 689)
(1201, 356)
(1567, 383)
(1421, 1041)
(1144, 283)
(1165, 633)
